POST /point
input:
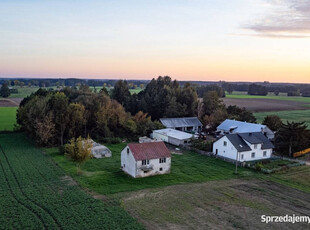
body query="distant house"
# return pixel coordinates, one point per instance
(186, 124)
(146, 159)
(243, 146)
(172, 136)
(233, 126)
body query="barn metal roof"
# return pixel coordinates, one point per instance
(174, 134)
(149, 150)
(180, 122)
(240, 126)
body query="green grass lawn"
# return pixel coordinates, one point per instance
(137, 90)
(292, 115)
(7, 118)
(243, 95)
(105, 176)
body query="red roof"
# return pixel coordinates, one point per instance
(149, 150)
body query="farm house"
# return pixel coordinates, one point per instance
(172, 136)
(186, 124)
(243, 147)
(146, 159)
(233, 126)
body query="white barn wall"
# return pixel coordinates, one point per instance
(228, 151)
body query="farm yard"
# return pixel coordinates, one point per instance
(105, 176)
(36, 194)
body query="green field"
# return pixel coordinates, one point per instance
(36, 194)
(293, 115)
(105, 176)
(24, 92)
(7, 118)
(240, 95)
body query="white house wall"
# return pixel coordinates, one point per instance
(128, 162)
(228, 151)
(156, 168)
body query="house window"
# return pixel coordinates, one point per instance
(225, 143)
(127, 150)
(145, 162)
(253, 155)
(255, 146)
(241, 156)
(160, 169)
(124, 165)
(265, 153)
(162, 160)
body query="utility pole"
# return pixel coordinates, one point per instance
(236, 170)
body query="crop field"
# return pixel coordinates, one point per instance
(36, 194)
(105, 176)
(7, 118)
(24, 92)
(229, 204)
(292, 115)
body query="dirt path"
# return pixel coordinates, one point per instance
(233, 204)
(10, 102)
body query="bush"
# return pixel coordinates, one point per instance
(258, 166)
(202, 145)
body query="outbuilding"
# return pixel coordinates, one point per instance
(146, 159)
(172, 136)
(185, 124)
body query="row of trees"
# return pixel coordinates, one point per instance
(53, 118)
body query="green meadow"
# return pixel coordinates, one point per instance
(7, 118)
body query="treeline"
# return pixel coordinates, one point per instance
(264, 88)
(68, 82)
(52, 118)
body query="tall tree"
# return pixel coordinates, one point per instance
(211, 102)
(292, 137)
(5, 91)
(121, 93)
(273, 122)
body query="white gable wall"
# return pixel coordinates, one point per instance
(228, 151)
(128, 162)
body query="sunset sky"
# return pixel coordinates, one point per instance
(208, 40)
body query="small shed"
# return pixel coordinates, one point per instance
(100, 151)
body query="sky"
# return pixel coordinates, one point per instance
(207, 40)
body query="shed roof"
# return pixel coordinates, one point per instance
(180, 122)
(149, 150)
(240, 126)
(174, 134)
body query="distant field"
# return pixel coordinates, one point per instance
(24, 92)
(7, 118)
(295, 115)
(105, 176)
(137, 90)
(240, 95)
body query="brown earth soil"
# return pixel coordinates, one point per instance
(233, 204)
(265, 105)
(10, 102)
